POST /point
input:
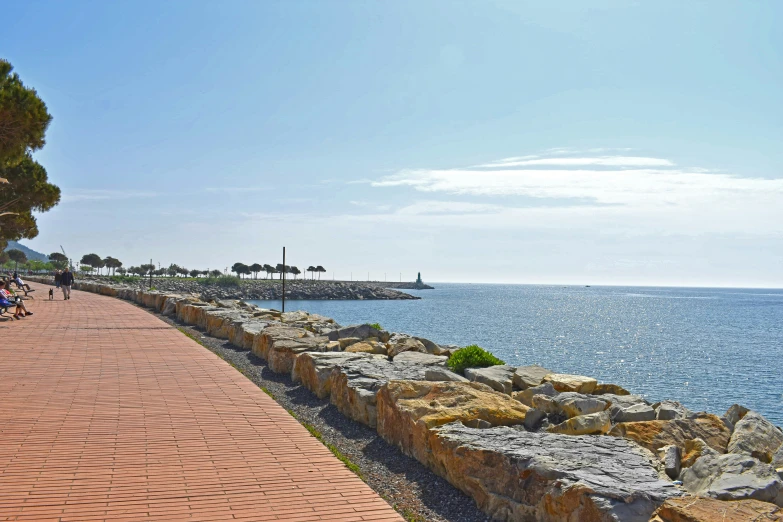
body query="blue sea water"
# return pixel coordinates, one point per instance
(707, 348)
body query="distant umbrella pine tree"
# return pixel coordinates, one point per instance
(17, 256)
(256, 268)
(60, 261)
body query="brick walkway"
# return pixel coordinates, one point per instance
(108, 413)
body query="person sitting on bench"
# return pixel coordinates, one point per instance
(21, 284)
(8, 299)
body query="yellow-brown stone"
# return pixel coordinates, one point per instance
(656, 434)
(697, 509)
(408, 410)
(571, 383)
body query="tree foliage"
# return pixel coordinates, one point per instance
(92, 260)
(60, 261)
(17, 256)
(23, 117)
(112, 263)
(28, 190)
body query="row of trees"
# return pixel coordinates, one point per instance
(16, 259)
(24, 184)
(242, 269)
(96, 262)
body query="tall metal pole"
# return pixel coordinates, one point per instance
(153, 266)
(283, 279)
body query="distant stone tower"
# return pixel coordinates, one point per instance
(419, 282)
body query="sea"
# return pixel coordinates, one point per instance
(707, 348)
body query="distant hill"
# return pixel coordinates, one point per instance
(30, 253)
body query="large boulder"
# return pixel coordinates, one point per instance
(698, 509)
(656, 434)
(314, 370)
(526, 396)
(366, 347)
(733, 477)
(669, 410)
(573, 404)
(593, 424)
(735, 413)
(218, 322)
(529, 376)
(635, 413)
(442, 374)
(408, 410)
(244, 333)
(263, 342)
(671, 456)
(362, 331)
(433, 348)
(283, 352)
(355, 384)
(516, 475)
(194, 313)
(498, 377)
(755, 436)
(571, 383)
(400, 343)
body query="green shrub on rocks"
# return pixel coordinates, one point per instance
(472, 356)
(225, 280)
(377, 326)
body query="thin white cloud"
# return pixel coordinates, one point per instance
(70, 195)
(604, 161)
(606, 192)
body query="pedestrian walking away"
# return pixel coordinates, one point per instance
(58, 277)
(66, 280)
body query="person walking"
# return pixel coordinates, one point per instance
(66, 280)
(58, 276)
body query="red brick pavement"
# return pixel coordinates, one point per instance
(108, 413)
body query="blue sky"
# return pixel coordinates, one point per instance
(576, 143)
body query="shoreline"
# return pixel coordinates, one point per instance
(587, 432)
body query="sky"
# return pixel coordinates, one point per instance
(574, 142)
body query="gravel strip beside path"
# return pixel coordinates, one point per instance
(414, 491)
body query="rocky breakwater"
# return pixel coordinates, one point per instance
(209, 289)
(527, 443)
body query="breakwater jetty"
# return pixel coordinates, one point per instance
(526, 443)
(271, 289)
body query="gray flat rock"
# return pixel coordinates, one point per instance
(442, 374)
(669, 410)
(529, 376)
(517, 475)
(635, 413)
(733, 477)
(498, 378)
(755, 436)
